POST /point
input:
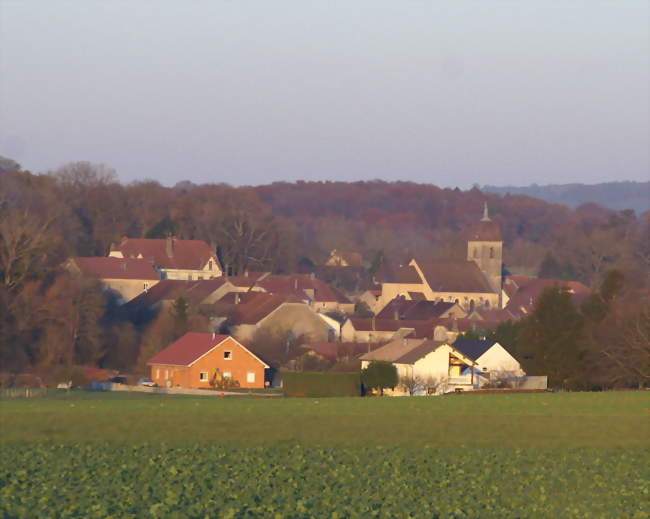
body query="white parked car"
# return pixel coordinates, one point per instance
(146, 382)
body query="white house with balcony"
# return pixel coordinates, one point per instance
(441, 367)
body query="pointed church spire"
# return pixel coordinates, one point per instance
(486, 216)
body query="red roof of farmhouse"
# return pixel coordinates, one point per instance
(530, 289)
(186, 350)
(116, 268)
(298, 284)
(168, 253)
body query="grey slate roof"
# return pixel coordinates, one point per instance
(473, 348)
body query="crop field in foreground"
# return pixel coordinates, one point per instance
(120, 455)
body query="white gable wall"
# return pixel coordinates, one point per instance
(498, 360)
(435, 364)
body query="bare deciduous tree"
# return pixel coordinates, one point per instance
(412, 384)
(23, 240)
(84, 174)
(629, 352)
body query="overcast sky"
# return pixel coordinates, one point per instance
(448, 92)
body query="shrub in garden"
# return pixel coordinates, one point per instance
(379, 375)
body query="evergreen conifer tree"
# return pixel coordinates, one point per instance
(551, 340)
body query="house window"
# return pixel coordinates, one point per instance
(210, 265)
(146, 286)
(203, 376)
(227, 374)
(166, 373)
(250, 377)
(491, 252)
(227, 355)
(189, 277)
(157, 372)
(476, 252)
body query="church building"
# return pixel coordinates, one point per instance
(473, 283)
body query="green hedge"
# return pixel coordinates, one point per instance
(321, 384)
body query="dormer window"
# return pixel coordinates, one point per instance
(227, 355)
(476, 252)
(491, 252)
(210, 266)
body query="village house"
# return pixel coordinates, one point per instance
(522, 292)
(167, 291)
(322, 297)
(280, 315)
(436, 363)
(173, 258)
(491, 358)
(371, 329)
(124, 278)
(371, 298)
(401, 308)
(442, 367)
(201, 360)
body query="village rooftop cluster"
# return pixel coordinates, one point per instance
(415, 316)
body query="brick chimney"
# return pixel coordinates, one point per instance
(169, 247)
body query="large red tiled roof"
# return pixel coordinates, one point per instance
(169, 253)
(247, 280)
(258, 307)
(301, 285)
(454, 276)
(187, 349)
(116, 268)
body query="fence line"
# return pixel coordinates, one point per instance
(23, 392)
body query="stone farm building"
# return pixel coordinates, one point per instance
(125, 278)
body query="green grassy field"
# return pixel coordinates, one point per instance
(139, 455)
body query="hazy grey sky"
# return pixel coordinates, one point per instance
(449, 92)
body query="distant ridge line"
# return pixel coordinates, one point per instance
(618, 195)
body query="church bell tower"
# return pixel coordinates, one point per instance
(485, 248)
